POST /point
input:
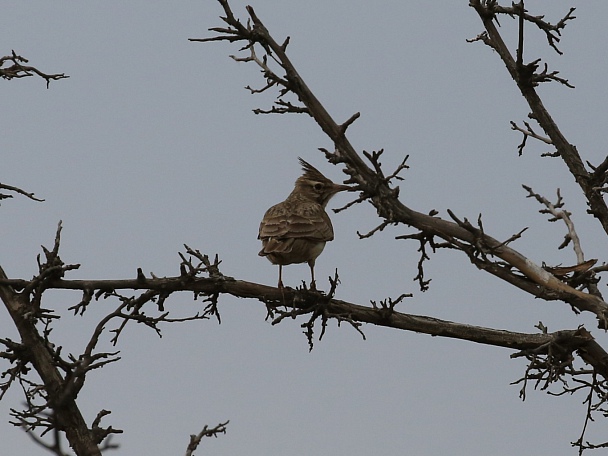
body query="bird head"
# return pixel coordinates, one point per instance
(316, 186)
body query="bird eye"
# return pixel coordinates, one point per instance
(318, 186)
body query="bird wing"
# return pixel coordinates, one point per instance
(286, 220)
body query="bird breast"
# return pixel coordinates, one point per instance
(291, 250)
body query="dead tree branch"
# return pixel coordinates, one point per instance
(515, 267)
(526, 78)
(308, 300)
(195, 440)
(528, 132)
(18, 70)
(50, 399)
(17, 190)
(582, 273)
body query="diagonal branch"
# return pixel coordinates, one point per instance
(11, 188)
(567, 151)
(308, 299)
(552, 31)
(67, 415)
(195, 440)
(521, 271)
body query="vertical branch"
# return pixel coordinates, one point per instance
(520, 44)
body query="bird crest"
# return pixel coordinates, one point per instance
(312, 173)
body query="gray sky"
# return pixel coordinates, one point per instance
(151, 143)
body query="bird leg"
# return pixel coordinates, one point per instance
(280, 285)
(313, 284)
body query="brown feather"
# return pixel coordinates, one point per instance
(296, 230)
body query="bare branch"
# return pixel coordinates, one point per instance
(515, 268)
(557, 213)
(525, 82)
(374, 231)
(195, 440)
(308, 300)
(349, 122)
(552, 31)
(17, 190)
(103, 434)
(528, 132)
(18, 70)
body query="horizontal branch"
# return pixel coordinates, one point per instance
(303, 299)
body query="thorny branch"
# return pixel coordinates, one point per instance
(582, 274)
(557, 213)
(236, 31)
(526, 78)
(195, 440)
(424, 240)
(17, 190)
(552, 31)
(50, 397)
(528, 132)
(513, 267)
(303, 301)
(41, 410)
(487, 253)
(19, 70)
(553, 364)
(550, 355)
(600, 175)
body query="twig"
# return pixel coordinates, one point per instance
(528, 132)
(195, 439)
(11, 188)
(348, 122)
(557, 213)
(374, 231)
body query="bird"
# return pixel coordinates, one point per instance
(296, 230)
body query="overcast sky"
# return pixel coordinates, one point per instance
(151, 143)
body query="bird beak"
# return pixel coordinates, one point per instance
(340, 188)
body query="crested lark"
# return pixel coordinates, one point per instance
(296, 230)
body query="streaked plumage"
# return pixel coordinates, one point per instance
(296, 230)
